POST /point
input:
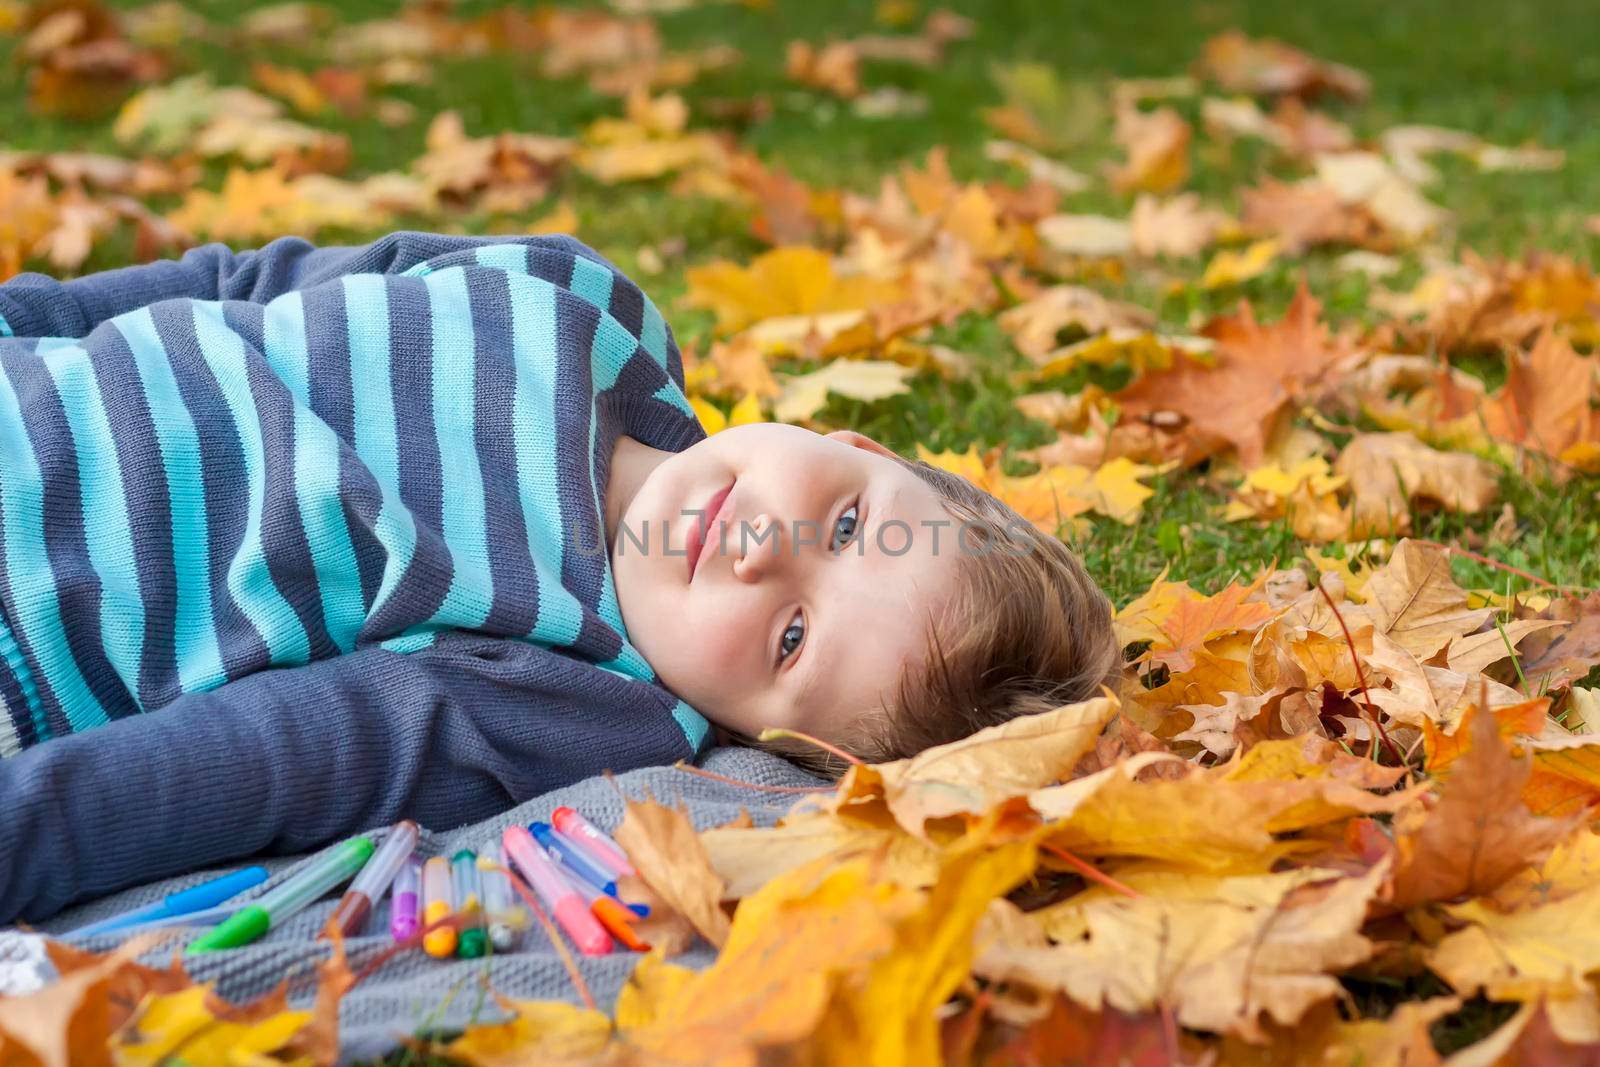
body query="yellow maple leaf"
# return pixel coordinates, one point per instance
(794, 280)
(1228, 267)
(804, 395)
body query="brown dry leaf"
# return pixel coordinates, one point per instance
(1222, 956)
(540, 1031)
(1542, 951)
(1554, 659)
(1258, 371)
(1545, 403)
(1479, 834)
(750, 858)
(664, 849)
(1196, 620)
(834, 68)
(1367, 180)
(803, 395)
(1529, 1039)
(1417, 604)
(1242, 64)
(1304, 215)
(1157, 143)
(28, 215)
(69, 1023)
(1388, 471)
(1037, 325)
(973, 775)
(788, 945)
(1179, 226)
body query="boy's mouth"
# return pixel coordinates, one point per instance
(696, 543)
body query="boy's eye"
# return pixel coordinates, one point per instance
(792, 636)
(844, 530)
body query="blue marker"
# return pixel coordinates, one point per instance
(572, 858)
(184, 902)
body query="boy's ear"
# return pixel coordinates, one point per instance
(861, 440)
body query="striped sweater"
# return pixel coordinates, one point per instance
(298, 541)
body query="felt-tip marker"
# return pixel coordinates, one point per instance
(504, 913)
(203, 897)
(472, 941)
(568, 855)
(405, 901)
(593, 840)
(356, 905)
(254, 919)
(437, 903)
(564, 902)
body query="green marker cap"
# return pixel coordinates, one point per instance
(242, 927)
(472, 944)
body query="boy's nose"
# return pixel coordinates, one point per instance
(760, 549)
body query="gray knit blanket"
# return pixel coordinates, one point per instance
(415, 992)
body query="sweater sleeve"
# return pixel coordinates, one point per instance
(286, 760)
(36, 305)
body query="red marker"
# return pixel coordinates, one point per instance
(592, 840)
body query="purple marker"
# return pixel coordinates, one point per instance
(405, 901)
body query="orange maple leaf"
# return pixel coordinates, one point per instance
(1259, 370)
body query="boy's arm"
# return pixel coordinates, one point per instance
(286, 760)
(36, 305)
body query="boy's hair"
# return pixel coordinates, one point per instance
(1026, 631)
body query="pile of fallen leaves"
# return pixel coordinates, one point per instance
(1336, 812)
(1320, 782)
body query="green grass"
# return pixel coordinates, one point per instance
(1510, 73)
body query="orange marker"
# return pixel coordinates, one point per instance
(611, 912)
(438, 901)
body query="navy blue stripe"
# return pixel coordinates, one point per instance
(515, 607)
(149, 514)
(553, 266)
(17, 708)
(78, 586)
(581, 572)
(627, 304)
(283, 536)
(427, 578)
(223, 474)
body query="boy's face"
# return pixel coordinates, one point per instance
(768, 626)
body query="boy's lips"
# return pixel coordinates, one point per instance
(696, 543)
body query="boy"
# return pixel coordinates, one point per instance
(427, 527)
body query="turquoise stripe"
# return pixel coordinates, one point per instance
(199, 658)
(592, 282)
(376, 437)
(653, 334)
(105, 510)
(250, 583)
(5, 328)
(671, 394)
(534, 344)
(18, 662)
(513, 258)
(692, 723)
(36, 607)
(463, 515)
(410, 642)
(613, 346)
(316, 480)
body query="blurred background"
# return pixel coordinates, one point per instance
(944, 165)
